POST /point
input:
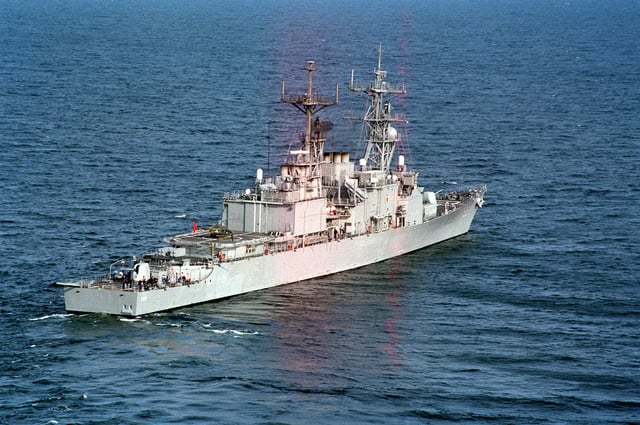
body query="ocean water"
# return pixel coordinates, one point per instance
(123, 121)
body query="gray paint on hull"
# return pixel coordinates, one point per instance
(266, 271)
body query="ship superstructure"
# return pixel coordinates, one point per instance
(321, 214)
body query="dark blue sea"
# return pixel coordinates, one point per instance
(122, 121)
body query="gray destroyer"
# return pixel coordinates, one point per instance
(322, 214)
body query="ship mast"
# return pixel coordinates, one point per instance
(312, 146)
(381, 137)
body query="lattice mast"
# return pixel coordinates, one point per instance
(311, 103)
(381, 137)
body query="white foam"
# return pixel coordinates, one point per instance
(51, 316)
(234, 332)
(171, 325)
(133, 320)
(227, 331)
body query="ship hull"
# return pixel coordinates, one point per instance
(266, 271)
